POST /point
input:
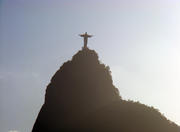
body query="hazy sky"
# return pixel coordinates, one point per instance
(138, 39)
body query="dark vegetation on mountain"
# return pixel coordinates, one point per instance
(81, 97)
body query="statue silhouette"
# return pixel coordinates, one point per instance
(85, 36)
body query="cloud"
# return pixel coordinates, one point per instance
(13, 131)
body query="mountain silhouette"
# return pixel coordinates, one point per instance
(81, 97)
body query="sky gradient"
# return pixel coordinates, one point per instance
(138, 39)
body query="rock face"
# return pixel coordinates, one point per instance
(82, 97)
(78, 88)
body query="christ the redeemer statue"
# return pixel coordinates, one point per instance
(85, 36)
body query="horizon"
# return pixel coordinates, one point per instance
(138, 40)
